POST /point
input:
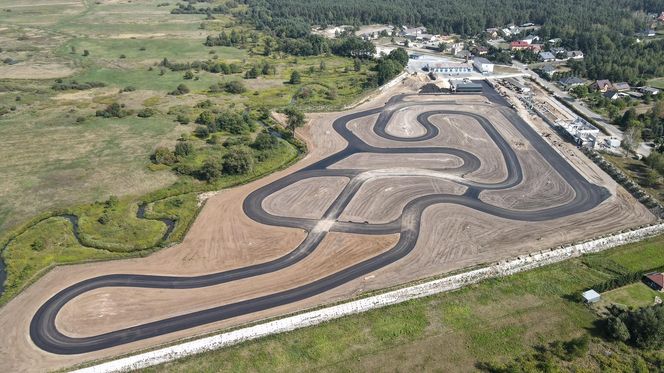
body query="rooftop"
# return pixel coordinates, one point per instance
(482, 60)
(656, 277)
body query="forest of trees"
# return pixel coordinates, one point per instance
(604, 29)
(294, 17)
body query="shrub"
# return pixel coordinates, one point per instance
(211, 169)
(251, 73)
(202, 132)
(184, 148)
(146, 112)
(233, 122)
(180, 90)
(113, 110)
(103, 219)
(205, 118)
(37, 245)
(129, 88)
(162, 155)
(188, 75)
(64, 86)
(295, 77)
(235, 87)
(238, 160)
(265, 141)
(182, 119)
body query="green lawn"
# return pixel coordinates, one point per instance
(634, 295)
(494, 321)
(657, 83)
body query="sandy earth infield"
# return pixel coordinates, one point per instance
(366, 161)
(403, 124)
(457, 131)
(381, 200)
(308, 198)
(222, 237)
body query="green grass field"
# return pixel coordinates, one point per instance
(495, 321)
(657, 83)
(634, 295)
(45, 243)
(54, 161)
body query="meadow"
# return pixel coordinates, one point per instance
(58, 156)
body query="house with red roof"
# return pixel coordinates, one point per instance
(519, 45)
(655, 280)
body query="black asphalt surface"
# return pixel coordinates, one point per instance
(45, 334)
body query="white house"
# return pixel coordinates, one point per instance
(483, 65)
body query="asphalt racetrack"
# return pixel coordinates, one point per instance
(46, 336)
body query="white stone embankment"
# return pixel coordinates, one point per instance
(310, 318)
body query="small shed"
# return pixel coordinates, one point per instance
(591, 296)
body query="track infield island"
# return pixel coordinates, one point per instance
(403, 187)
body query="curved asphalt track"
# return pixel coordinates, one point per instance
(45, 334)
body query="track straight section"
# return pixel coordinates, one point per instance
(45, 334)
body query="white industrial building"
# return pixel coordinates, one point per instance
(451, 68)
(483, 65)
(583, 133)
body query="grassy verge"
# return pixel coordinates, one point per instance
(495, 321)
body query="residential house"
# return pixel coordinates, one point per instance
(548, 70)
(602, 85)
(559, 50)
(647, 33)
(649, 90)
(621, 87)
(519, 45)
(492, 33)
(611, 95)
(531, 39)
(463, 54)
(369, 36)
(655, 280)
(555, 41)
(536, 48)
(575, 55)
(480, 51)
(546, 56)
(426, 37)
(570, 82)
(661, 17)
(413, 33)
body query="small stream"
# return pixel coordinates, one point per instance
(73, 219)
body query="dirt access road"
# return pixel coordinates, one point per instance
(253, 253)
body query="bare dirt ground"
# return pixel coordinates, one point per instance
(222, 237)
(381, 200)
(307, 198)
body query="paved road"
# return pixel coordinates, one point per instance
(45, 334)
